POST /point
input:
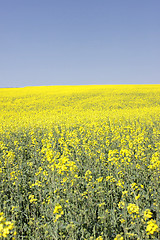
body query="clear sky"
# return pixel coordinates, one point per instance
(78, 42)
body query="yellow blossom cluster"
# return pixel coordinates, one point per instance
(132, 208)
(58, 212)
(152, 227)
(6, 227)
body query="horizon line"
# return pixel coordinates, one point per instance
(76, 85)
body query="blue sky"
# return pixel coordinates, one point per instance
(78, 42)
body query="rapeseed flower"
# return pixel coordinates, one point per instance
(58, 211)
(147, 214)
(118, 237)
(152, 227)
(6, 227)
(132, 208)
(99, 238)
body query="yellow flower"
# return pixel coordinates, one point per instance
(99, 238)
(5, 232)
(137, 197)
(100, 179)
(101, 204)
(5, 226)
(120, 183)
(124, 193)
(107, 211)
(121, 204)
(57, 209)
(88, 175)
(155, 162)
(32, 199)
(122, 220)
(147, 214)
(132, 208)
(118, 237)
(1, 228)
(152, 227)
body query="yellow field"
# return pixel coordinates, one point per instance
(71, 105)
(80, 162)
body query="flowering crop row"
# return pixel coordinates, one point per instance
(80, 163)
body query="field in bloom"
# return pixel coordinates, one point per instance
(80, 162)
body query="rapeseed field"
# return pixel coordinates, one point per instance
(80, 162)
